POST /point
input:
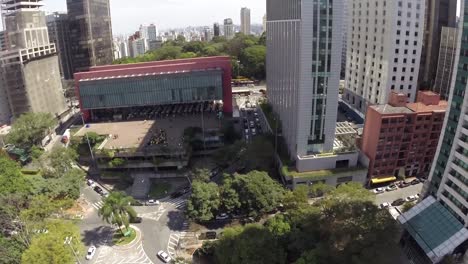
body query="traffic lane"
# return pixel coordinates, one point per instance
(91, 195)
(389, 197)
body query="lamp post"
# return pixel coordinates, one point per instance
(68, 241)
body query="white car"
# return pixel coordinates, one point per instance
(378, 190)
(90, 183)
(91, 252)
(152, 202)
(411, 198)
(384, 205)
(222, 217)
(164, 256)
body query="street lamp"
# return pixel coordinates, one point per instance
(68, 241)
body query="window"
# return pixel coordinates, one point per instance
(394, 69)
(399, 23)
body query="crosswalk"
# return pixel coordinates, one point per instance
(178, 203)
(172, 244)
(98, 205)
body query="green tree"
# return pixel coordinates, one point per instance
(93, 137)
(49, 248)
(407, 206)
(308, 257)
(40, 207)
(58, 161)
(254, 59)
(229, 197)
(117, 210)
(278, 225)
(66, 186)
(168, 52)
(195, 47)
(250, 244)
(11, 179)
(36, 152)
(10, 250)
(258, 155)
(30, 128)
(187, 55)
(202, 175)
(297, 198)
(258, 192)
(204, 201)
(320, 189)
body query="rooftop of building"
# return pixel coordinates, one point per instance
(389, 109)
(427, 101)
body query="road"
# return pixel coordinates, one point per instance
(250, 124)
(389, 197)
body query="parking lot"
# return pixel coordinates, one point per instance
(389, 197)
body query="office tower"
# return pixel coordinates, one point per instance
(152, 32)
(303, 71)
(384, 49)
(264, 23)
(436, 226)
(411, 129)
(124, 49)
(207, 34)
(228, 29)
(245, 21)
(59, 33)
(90, 33)
(345, 39)
(445, 67)
(139, 47)
(216, 31)
(439, 13)
(30, 74)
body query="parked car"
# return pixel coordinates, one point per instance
(98, 190)
(210, 235)
(90, 182)
(411, 198)
(403, 184)
(378, 190)
(248, 220)
(391, 187)
(398, 202)
(384, 205)
(164, 256)
(415, 181)
(223, 216)
(91, 252)
(152, 202)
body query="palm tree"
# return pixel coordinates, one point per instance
(117, 209)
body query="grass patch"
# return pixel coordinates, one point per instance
(119, 239)
(159, 189)
(291, 172)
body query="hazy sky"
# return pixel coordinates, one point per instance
(128, 15)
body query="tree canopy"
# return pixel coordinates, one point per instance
(117, 209)
(204, 201)
(30, 128)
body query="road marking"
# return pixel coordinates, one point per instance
(170, 249)
(98, 205)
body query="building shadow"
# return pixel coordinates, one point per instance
(98, 236)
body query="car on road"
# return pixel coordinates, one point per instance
(411, 198)
(391, 187)
(90, 183)
(164, 256)
(98, 190)
(415, 181)
(398, 202)
(223, 216)
(384, 205)
(152, 202)
(403, 184)
(378, 190)
(210, 235)
(91, 252)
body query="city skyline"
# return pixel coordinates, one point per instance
(127, 19)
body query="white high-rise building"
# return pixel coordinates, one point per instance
(207, 34)
(304, 40)
(383, 50)
(124, 49)
(264, 22)
(245, 21)
(228, 28)
(139, 47)
(152, 32)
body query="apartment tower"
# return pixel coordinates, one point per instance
(384, 50)
(245, 21)
(228, 29)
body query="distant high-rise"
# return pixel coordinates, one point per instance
(139, 47)
(303, 74)
(90, 33)
(59, 33)
(228, 28)
(245, 21)
(264, 22)
(152, 32)
(445, 67)
(216, 31)
(124, 49)
(30, 73)
(438, 14)
(384, 49)
(207, 34)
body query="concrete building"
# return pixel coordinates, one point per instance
(207, 34)
(304, 43)
(154, 44)
(438, 14)
(30, 72)
(216, 30)
(138, 47)
(264, 23)
(344, 51)
(228, 29)
(3, 41)
(437, 225)
(445, 67)
(124, 49)
(400, 138)
(90, 33)
(245, 21)
(384, 49)
(59, 33)
(152, 32)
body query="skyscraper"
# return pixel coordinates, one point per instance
(439, 13)
(384, 50)
(30, 74)
(445, 67)
(304, 40)
(90, 33)
(264, 23)
(216, 30)
(207, 34)
(245, 21)
(59, 33)
(228, 28)
(436, 226)
(152, 32)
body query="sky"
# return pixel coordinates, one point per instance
(128, 15)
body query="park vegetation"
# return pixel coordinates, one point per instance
(247, 53)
